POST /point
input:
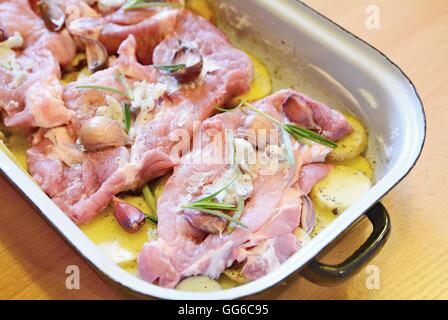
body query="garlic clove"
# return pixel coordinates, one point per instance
(96, 54)
(205, 222)
(52, 14)
(3, 35)
(129, 217)
(308, 216)
(193, 61)
(102, 132)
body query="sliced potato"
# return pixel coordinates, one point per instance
(199, 284)
(323, 219)
(359, 163)
(352, 145)
(261, 86)
(201, 8)
(302, 236)
(226, 282)
(341, 188)
(234, 274)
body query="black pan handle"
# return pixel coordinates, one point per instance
(329, 275)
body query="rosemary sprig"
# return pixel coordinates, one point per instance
(170, 67)
(103, 88)
(218, 214)
(122, 79)
(9, 68)
(297, 132)
(207, 205)
(230, 109)
(236, 215)
(138, 4)
(126, 115)
(150, 199)
(288, 146)
(151, 218)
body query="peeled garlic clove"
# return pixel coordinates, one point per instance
(52, 14)
(102, 132)
(129, 217)
(308, 216)
(192, 59)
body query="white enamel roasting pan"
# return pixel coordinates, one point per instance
(306, 51)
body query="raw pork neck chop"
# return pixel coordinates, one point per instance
(81, 174)
(148, 25)
(194, 243)
(30, 92)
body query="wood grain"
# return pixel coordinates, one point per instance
(414, 262)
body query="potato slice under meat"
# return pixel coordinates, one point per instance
(359, 163)
(340, 189)
(198, 284)
(352, 145)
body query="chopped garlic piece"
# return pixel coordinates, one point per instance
(8, 61)
(116, 253)
(112, 110)
(13, 42)
(274, 151)
(241, 188)
(171, 83)
(245, 155)
(146, 95)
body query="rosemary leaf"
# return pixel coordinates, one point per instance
(216, 213)
(211, 205)
(9, 68)
(103, 88)
(170, 67)
(138, 4)
(236, 215)
(122, 79)
(152, 218)
(150, 199)
(127, 116)
(288, 146)
(297, 132)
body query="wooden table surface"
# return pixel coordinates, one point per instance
(414, 262)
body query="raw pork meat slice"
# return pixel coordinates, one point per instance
(18, 16)
(30, 92)
(149, 27)
(227, 73)
(188, 243)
